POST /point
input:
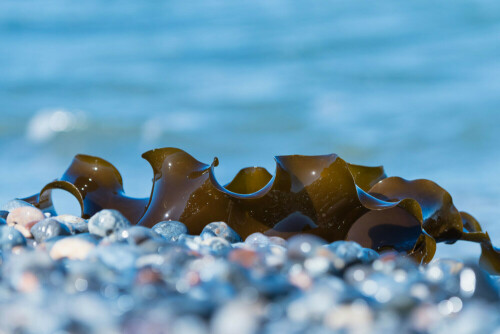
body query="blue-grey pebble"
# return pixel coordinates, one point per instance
(349, 251)
(170, 229)
(10, 237)
(48, 228)
(221, 230)
(75, 224)
(4, 214)
(13, 204)
(136, 235)
(107, 222)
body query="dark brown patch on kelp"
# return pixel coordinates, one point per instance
(320, 195)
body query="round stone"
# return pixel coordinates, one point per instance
(107, 222)
(136, 235)
(14, 204)
(170, 229)
(303, 246)
(257, 239)
(23, 218)
(216, 245)
(348, 251)
(48, 228)
(221, 230)
(74, 248)
(4, 214)
(10, 238)
(75, 224)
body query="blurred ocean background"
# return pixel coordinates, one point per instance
(414, 86)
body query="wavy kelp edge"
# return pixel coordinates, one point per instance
(97, 184)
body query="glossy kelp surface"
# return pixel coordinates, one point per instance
(321, 195)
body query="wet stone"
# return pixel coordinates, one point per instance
(301, 247)
(257, 240)
(48, 228)
(4, 214)
(75, 224)
(171, 230)
(14, 204)
(23, 218)
(221, 230)
(216, 245)
(107, 223)
(136, 235)
(10, 238)
(72, 247)
(348, 251)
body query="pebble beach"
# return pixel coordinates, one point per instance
(63, 274)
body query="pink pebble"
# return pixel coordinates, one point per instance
(25, 217)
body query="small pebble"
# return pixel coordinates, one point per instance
(14, 204)
(136, 235)
(218, 246)
(257, 239)
(107, 222)
(23, 218)
(221, 230)
(75, 224)
(301, 247)
(48, 228)
(10, 238)
(170, 229)
(4, 214)
(73, 247)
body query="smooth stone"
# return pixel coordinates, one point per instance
(170, 229)
(136, 235)
(216, 245)
(3, 221)
(23, 218)
(76, 224)
(72, 247)
(10, 238)
(221, 230)
(14, 204)
(107, 222)
(48, 228)
(120, 257)
(303, 246)
(257, 239)
(348, 251)
(4, 214)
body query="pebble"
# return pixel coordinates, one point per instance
(171, 230)
(73, 248)
(221, 230)
(257, 239)
(48, 228)
(75, 224)
(23, 218)
(10, 238)
(4, 214)
(3, 221)
(107, 222)
(14, 204)
(136, 235)
(135, 280)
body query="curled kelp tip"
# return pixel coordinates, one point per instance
(321, 195)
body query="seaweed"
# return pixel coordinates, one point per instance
(321, 195)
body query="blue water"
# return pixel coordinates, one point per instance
(411, 85)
